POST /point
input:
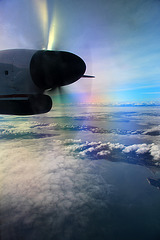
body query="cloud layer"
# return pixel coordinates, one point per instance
(53, 185)
(42, 188)
(146, 154)
(34, 127)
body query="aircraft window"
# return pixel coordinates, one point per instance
(6, 72)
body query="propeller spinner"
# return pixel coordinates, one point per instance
(52, 69)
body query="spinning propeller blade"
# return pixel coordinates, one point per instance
(52, 69)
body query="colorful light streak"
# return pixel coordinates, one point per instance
(51, 36)
(47, 29)
(42, 11)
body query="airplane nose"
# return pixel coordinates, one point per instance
(51, 69)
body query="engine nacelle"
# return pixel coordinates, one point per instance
(25, 75)
(25, 105)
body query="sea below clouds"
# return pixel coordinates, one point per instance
(81, 172)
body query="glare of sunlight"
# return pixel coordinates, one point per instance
(51, 36)
(42, 11)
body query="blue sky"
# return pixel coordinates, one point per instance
(118, 39)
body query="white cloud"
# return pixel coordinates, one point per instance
(70, 141)
(143, 148)
(99, 149)
(115, 145)
(155, 151)
(104, 153)
(38, 178)
(139, 148)
(153, 131)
